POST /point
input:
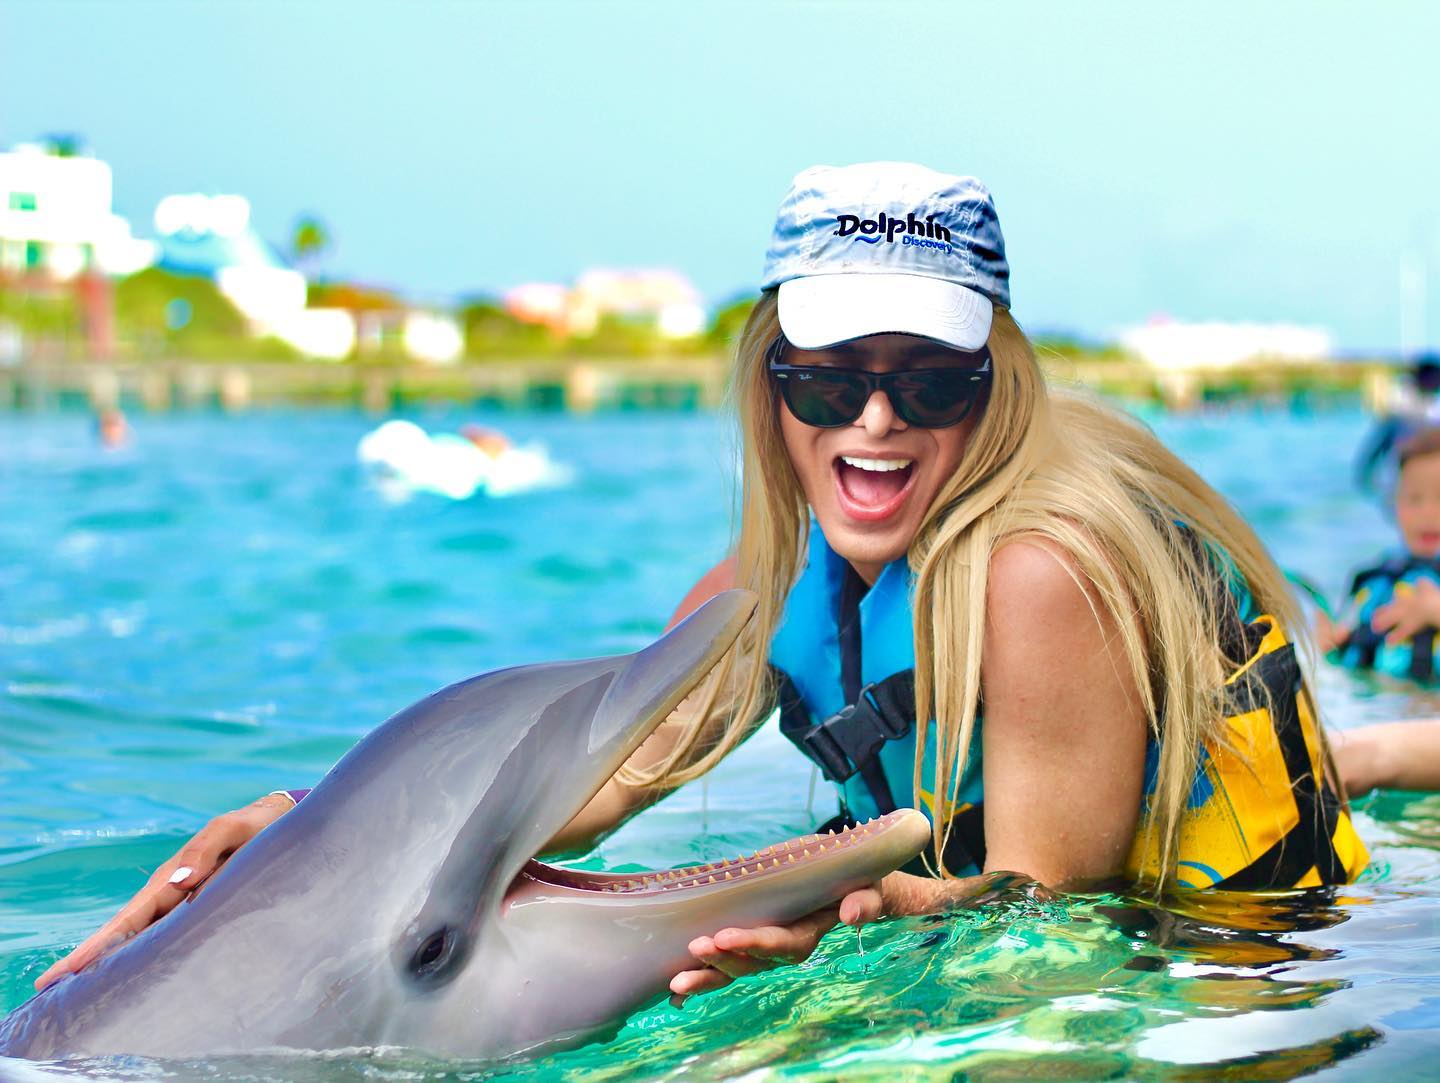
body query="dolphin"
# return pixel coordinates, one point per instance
(401, 904)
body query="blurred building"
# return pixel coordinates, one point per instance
(663, 298)
(1170, 344)
(386, 326)
(211, 235)
(56, 218)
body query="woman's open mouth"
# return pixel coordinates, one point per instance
(872, 489)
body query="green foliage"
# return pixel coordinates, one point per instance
(728, 322)
(309, 239)
(44, 314)
(162, 314)
(492, 332)
(63, 145)
(1076, 349)
(620, 336)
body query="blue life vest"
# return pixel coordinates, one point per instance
(1366, 648)
(825, 606)
(1261, 812)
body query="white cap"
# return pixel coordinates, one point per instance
(887, 247)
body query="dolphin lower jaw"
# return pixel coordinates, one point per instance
(576, 951)
(864, 851)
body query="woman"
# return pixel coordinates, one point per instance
(931, 531)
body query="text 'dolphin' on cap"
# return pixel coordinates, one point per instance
(887, 247)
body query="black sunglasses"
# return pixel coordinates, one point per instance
(828, 397)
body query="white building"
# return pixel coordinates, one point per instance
(1169, 344)
(211, 235)
(663, 296)
(56, 217)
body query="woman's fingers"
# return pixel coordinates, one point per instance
(767, 945)
(733, 953)
(701, 980)
(138, 913)
(171, 883)
(862, 906)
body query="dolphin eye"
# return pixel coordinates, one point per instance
(433, 953)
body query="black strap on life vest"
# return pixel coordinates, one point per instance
(850, 740)
(1274, 682)
(1364, 643)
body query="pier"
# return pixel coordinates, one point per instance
(586, 385)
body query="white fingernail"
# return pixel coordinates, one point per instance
(180, 874)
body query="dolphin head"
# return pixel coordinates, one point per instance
(495, 766)
(402, 904)
(495, 951)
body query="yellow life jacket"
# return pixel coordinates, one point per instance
(1262, 813)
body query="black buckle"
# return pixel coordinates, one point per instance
(853, 735)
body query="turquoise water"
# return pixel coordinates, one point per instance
(222, 608)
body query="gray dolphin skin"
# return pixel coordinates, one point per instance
(401, 905)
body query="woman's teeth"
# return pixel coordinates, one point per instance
(878, 465)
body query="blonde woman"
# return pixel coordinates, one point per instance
(1007, 606)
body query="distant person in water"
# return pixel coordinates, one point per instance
(1415, 405)
(112, 428)
(1390, 619)
(491, 441)
(1391, 756)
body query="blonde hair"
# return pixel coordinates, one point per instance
(1041, 464)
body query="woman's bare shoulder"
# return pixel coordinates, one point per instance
(1030, 571)
(719, 578)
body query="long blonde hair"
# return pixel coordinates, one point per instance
(1041, 463)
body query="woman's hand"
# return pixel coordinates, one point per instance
(174, 880)
(733, 953)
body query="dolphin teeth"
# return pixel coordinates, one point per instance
(791, 858)
(775, 864)
(806, 852)
(727, 875)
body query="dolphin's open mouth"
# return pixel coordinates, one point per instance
(538, 878)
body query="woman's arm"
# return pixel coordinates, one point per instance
(1064, 760)
(1391, 756)
(211, 847)
(1065, 728)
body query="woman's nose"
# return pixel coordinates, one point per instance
(879, 417)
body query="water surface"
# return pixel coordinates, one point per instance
(221, 609)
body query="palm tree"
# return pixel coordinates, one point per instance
(308, 240)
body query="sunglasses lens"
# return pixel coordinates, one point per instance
(824, 399)
(934, 399)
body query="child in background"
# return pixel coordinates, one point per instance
(1393, 612)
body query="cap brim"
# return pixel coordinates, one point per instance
(821, 310)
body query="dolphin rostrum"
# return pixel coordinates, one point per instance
(401, 905)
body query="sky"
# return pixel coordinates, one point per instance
(1272, 162)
